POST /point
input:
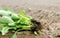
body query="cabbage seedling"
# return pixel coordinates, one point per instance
(9, 20)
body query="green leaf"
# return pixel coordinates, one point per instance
(0, 29)
(6, 19)
(14, 36)
(4, 13)
(14, 16)
(25, 20)
(29, 17)
(7, 9)
(11, 24)
(22, 12)
(5, 30)
(22, 20)
(26, 27)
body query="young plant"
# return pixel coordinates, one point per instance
(9, 20)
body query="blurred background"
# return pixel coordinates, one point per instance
(45, 11)
(31, 4)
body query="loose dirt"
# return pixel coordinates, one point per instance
(47, 13)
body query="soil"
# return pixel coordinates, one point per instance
(47, 13)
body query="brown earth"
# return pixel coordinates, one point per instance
(47, 14)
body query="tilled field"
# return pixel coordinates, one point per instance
(50, 21)
(48, 15)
